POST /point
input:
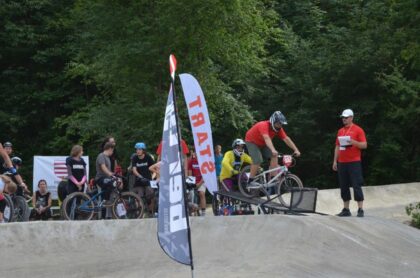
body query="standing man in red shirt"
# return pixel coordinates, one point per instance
(351, 139)
(259, 144)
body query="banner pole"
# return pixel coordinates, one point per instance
(172, 65)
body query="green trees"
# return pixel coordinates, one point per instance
(75, 71)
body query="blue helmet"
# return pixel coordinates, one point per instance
(140, 145)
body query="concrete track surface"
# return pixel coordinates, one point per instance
(239, 246)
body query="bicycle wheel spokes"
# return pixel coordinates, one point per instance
(78, 206)
(128, 206)
(243, 183)
(21, 209)
(289, 183)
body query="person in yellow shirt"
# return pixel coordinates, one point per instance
(232, 163)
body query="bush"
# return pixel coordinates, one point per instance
(413, 210)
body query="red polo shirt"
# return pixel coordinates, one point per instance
(350, 153)
(255, 134)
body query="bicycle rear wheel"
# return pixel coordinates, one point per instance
(288, 183)
(128, 206)
(8, 215)
(77, 206)
(243, 183)
(21, 209)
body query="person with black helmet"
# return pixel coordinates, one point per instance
(259, 143)
(232, 163)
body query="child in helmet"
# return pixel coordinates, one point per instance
(232, 163)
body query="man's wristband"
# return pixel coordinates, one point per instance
(13, 171)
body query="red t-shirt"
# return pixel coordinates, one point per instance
(255, 134)
(183, 145)
(194, 167)
(350, 153)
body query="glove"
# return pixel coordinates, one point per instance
(235, 172)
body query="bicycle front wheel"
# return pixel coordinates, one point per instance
(243, 183)
(21, 209)
(77, 206)
(288, 183)
(128, 206)
(8, 214)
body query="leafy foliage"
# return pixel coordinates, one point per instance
(76, 71)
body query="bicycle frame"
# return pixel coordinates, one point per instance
(282, 170)
(85, 206)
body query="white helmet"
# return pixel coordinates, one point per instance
(238, 142)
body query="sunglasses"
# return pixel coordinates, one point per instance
(345, 118)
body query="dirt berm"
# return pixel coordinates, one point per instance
(240, 246)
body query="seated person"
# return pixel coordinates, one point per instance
(232, 163)
(141, 163)
(42, 202)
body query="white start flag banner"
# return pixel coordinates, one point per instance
(53, 170)
(201, 129)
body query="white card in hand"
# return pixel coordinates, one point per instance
(344, 140)
(153, 184)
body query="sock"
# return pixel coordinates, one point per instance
(203, 212)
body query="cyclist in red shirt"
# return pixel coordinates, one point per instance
(351, 139)
(259, 143)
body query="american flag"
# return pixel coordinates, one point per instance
(60, 168)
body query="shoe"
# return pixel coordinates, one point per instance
(345, 212)
(360, 213)
(253, 185)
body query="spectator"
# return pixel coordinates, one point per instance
(232, 163)
(17, 164)
(104, 176)
(259, 143)
(185, 152)
(351, 139)
(155, 170)
(76, 169)
(41, 201)
(218, 157)
(8, 147)
(194, 170)
(113, 158)
(141, 162)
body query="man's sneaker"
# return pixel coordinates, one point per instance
(344, 212)
(253, 185)
(360, 213)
